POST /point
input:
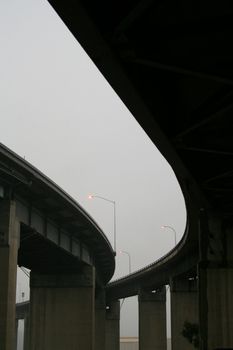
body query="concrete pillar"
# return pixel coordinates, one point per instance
(62, 310)
(9, 242)
(152, 320)
(215, 282)
(100, 315)
(16, 332)
(26, 332)
(216, 307)
(184, 308)
(112, 338)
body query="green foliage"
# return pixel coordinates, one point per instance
(191, 333)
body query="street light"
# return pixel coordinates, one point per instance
(91, 196)
(171, 228)
(129, 257)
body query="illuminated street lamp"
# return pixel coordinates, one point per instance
(91, 196)
(129, 257)
(171, 228)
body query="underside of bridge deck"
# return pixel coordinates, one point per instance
(171, 64)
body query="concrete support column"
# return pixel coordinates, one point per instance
(216, 307)
(100, 315)
(152, 320)
(112, 338)
(184, 309)
(26, 332)
(215, 282)
(9, 243)
(62, 311)
(16, 332)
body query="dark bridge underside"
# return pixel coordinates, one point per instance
(56, 234)
(44, 256)
(171, 62)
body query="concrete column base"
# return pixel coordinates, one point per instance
(112, 337)
(62, 311)
(100, 315)
(16, 332)
(9, 243)
(26, 333)
(216, 308)
(152, 320)
(184, 308)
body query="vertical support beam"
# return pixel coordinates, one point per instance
(112, 340)
(100, 315)
(216, 307)
(16, 332)
(26, 332)
(62, 310)
(152, 320)
(9, 243)
(184, 308)
(215, 282)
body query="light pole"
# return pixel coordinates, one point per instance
(171, 228)
(129, 257)
(91, 196)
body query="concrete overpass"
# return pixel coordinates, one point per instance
(70, 258)
(171, 64)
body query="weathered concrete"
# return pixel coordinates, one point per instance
(152, 320)
(16, 333)
(112, 337)
(215, 283)
(9, 242)
(184, 308)
(26, 332)
(62, 311)
(216, 308)
(100, 314)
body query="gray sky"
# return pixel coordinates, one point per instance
(59, 113)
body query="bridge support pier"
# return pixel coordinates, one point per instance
(215, 282)
(152, 320)
(100, 314)
(112, 337)
(9, 243)
(16, 332)
(216, 307)
(26, 332)
(184, 308)
(62, 311)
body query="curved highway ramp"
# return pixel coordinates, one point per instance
(171, 64)
(70, 258)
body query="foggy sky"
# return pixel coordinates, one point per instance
(59, 113)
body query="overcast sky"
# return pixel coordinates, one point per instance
(59, 113)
